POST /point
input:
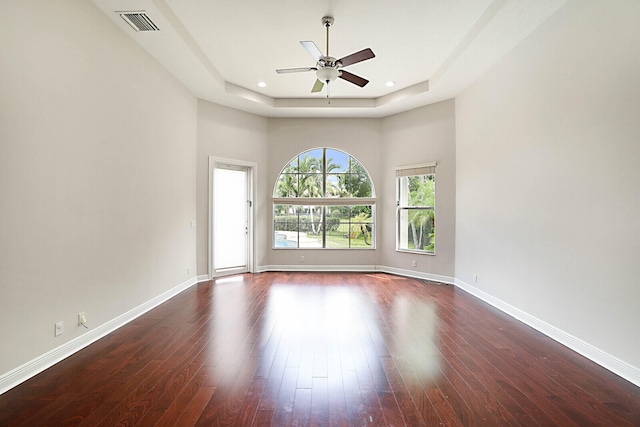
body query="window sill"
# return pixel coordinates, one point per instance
(410, 251)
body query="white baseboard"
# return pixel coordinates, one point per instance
(415, 274)
(312, 267)
(40, 363)
(50, 358)
(602, 358)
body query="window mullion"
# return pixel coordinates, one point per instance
(324, 172)
(324, 227)
(424, 208)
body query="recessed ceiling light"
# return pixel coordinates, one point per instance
(262, 84)
(390, 83)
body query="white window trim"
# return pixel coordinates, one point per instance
(417, 169)
(325, 201)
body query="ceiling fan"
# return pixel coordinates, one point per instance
(329, 68)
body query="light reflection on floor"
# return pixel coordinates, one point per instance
(325, 331)
(415, 332)
(229, 347)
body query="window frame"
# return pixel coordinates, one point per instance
(403, 173)
(324, 201)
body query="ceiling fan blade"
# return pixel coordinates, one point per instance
(295, 70)
(317, 87)
(312, 49)
(352, 78)
(363, 55)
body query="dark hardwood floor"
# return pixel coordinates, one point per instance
(344, 349)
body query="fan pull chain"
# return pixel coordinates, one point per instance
(328, 92)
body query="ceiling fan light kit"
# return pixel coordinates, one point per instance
(329, 68)
(327, 74)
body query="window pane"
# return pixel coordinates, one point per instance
(356, 184)
(334, 185)
(417, 229)
(310, 161)
(416, 215)
(285, 225)
(361, 227)
(292, 167)
(421, 190)
(337, 161)
(337, 226)
(310, 185)
(287, 185)
(310, 226)
(356, 166)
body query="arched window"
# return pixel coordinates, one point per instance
(324, 198)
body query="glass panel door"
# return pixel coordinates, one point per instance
(231, 219)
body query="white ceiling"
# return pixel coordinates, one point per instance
(432, 49)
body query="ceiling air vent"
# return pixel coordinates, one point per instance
(139, 21)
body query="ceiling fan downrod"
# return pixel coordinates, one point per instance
(327, 21)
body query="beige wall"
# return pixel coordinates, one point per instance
(231, 134)
(360, 138)
(548, 173)
(426, 134)
(423, 135)
(97, 175)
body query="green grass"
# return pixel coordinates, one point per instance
(337, 240)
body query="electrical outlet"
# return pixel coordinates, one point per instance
(59, 328)
(301, 258)
(414, 263)
(475, 278)
(188, 271)
(82, 319)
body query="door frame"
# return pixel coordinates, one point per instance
(251, 190)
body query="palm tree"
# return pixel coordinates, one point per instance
(421, 193)
(310, 183)
(356, 183)
(308, 177)
(287, 185)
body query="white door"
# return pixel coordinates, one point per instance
(231, 219)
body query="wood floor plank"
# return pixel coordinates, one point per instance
(173, 390)
(301, 415)
(264, 418)
(421, 400)
(194, 408)
(403, 397)
(176, 408)
(356, 412)
(249, 407)
(390, 409)
(337, 403)
(286, 397)
(319, 349)
(224, 406)
(305, 371)
(319, 402)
